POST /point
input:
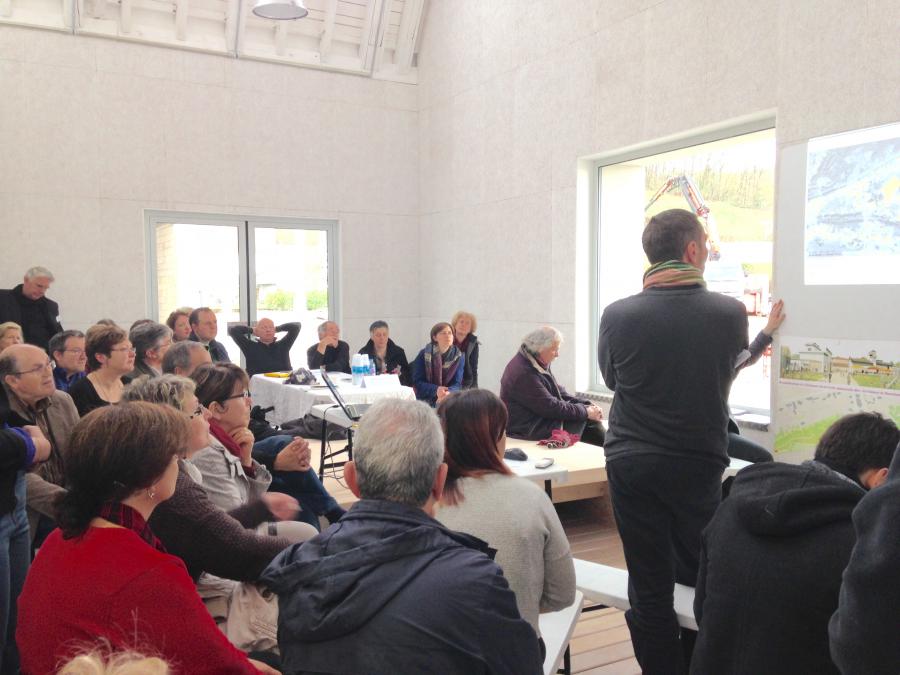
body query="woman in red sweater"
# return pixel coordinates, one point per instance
(103, 574)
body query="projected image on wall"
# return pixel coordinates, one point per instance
(853, 208)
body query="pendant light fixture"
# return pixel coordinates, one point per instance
(280, 9)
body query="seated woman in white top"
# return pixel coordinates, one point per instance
(514, 515)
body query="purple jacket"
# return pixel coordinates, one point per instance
(537, 404)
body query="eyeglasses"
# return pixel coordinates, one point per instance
(244, 394)
(76, 352)
(37, 370)
(130, 350)
(198, 412)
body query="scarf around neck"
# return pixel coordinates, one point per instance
(440, 369)
(671, 274)
(123, 515)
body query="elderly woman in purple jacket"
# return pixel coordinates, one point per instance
(536, 402)
(439, 367)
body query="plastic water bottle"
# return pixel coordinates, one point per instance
(356, 370)
(372, 367)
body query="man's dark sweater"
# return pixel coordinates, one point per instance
(668, 354)
(266, 358)
(335, 359)
(38, 318)
(770, 570)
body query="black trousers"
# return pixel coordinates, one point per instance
(661, 505)
(589, 431)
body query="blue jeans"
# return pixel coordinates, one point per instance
(304, 486)
(15, 555)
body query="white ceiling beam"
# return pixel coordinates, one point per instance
(181, 19)
(68, 13)
(232, 26)
(327, 29)
(98, 9)
(125, 16)
(367, 39)
(383, 22)
(5, 7)
(410, 21)
(281, 31)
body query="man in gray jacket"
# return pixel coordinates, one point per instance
(388, 589)
(668, 353)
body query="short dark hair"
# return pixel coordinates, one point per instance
(668, 233)
(117, 450)
(100, 340)
(474, 421)
(146, 336)
(859, 442)
(215, 381)
(378, 324)
(179, 355)
(58, 341)
(194, 318)
(439, 326)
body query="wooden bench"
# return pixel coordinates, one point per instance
(608, 587)
(556, 630)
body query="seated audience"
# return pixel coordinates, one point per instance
(513, 515)
(772, 556)
(536, 402)
(265, 354)
(10, 334)
(184, 357)
(110, 358)
(464, 326)
(214, 545)
(20, 449)
(391, 590)
(28, 305)
(67, 351)
(330, 351)
(439, 367)
(28, 397)
(863, 630)
(151, 341)
(388, 357)
(120, 584)
(235, 468)
(180, 323)
(204, 328)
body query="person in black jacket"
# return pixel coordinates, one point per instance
(863, 630)
(204, 329)
(464, 326)
(28, 305)
(330, 351)
(388, 357)
(265, 354)
(772, 556)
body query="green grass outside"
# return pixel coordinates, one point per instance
(804, 438)
(734, 223)
(876, 381)
(894, 412)
(804, 375)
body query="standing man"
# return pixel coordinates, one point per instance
(330, 351)
(204, 329)
(28, 305)
(265, 354)
(67, 351)
(668, 353)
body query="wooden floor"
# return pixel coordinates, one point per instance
(601, 644)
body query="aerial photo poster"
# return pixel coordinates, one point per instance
(822, 379)
(853, 207)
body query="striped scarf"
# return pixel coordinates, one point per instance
(672, 273)
(441, 368)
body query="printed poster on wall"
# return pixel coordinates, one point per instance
(822, 379)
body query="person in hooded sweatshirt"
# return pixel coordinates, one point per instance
(773, 554)
(388, 589)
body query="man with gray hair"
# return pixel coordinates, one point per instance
(28, 305)
(184, 357)
(388, 589)
(330, 351)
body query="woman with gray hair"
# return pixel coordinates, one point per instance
(537, 403)
(151, 341)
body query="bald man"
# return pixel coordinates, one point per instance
(263, 352)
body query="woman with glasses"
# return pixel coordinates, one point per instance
(10, 334)
(513, 515)
(236, 469)
(439, 367)
(120, 584)
(110, 356)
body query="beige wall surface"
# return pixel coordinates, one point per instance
(94, 131)
(511, 94)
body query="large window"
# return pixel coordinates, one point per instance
(245, 270)
(730, 184)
